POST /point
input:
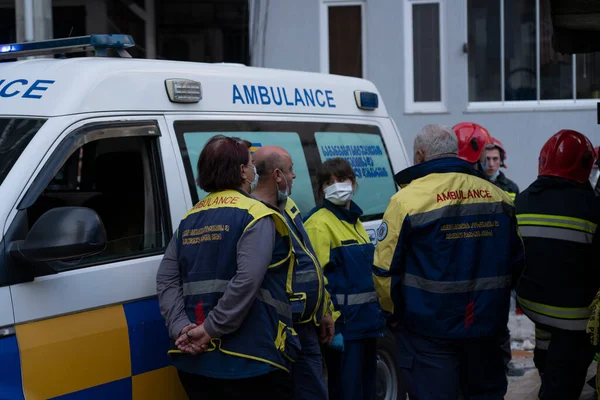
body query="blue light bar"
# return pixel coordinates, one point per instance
(366, 100)
(99, 43)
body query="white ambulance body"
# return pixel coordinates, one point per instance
(122, 137)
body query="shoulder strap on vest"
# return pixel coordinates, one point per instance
(291, 208)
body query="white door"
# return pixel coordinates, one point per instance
(90, 327)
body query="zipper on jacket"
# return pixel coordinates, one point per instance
(359, 235)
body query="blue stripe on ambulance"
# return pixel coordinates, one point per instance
(120, 389)
(148, 337)
(151, 375)
(10, 369)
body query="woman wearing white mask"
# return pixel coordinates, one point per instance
(346, 254)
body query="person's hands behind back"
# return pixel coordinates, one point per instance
(194, 340)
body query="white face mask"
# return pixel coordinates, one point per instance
(339, 193)
(254, 181)
(282, 196)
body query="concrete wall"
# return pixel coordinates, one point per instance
(292, 34)
(293, 42)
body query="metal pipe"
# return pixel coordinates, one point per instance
(538, 53)
(150, 26)
(574, 71)
(28, 19)
(502, 52)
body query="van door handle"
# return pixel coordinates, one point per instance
(7, 331)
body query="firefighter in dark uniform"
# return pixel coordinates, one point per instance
(494, 158)
(558, 217)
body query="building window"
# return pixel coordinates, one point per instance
(424, 60)
(342, 38)
(511, 60)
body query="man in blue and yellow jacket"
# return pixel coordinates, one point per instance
(311, 304)
(446, 301)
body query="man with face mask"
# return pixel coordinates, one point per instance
(493, 158)
(311, 304)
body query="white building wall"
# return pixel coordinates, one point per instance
(293, 41)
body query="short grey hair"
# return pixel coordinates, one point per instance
(436, 141)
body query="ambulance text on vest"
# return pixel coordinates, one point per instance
(462, 195)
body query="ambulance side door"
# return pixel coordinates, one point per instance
(88, 326)
(10, 372)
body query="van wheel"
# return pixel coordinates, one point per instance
(389, 385)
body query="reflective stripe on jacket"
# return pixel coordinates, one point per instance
(207, 238)
(346, 254)
(558, 219)
(507, 185)
(448, 252)
(310, 299)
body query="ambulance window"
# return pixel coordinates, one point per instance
(192, 141)
(367, 154)
(121, 179)
(15, 135)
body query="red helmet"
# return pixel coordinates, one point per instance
(496, 144)
(597, 155)
(568, 154)
(472, 139)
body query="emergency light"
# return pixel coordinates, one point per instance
(183, 90)
(99, 43)
(366, 100)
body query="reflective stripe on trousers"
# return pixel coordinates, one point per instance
(496, 282)
(220, 285)
(354, 299)
(570, 319)
(542, 339)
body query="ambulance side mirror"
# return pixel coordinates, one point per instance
(62, 234)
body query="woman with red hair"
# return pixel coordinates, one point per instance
(222, 285)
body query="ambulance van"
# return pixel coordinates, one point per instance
(115, 140)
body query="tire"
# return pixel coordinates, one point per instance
(389, 385)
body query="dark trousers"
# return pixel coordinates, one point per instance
(562, 359)
(352, 374)
(307, 372)
(276, 385)
(435, 369)
(506, 350)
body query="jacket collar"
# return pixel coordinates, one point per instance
(502, 178)
(546, 182)
(351, 216)
(436, 166)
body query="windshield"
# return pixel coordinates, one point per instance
(15, 135)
